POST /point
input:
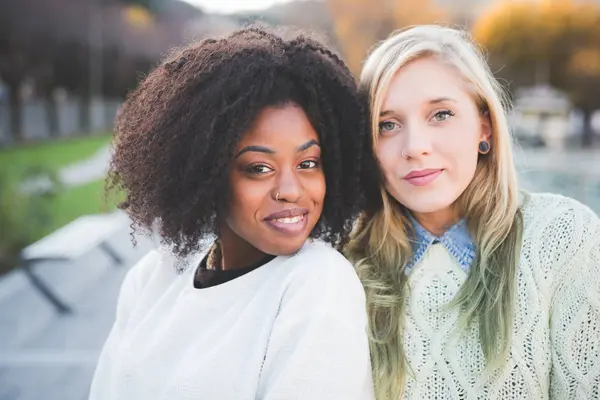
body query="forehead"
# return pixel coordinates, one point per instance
(423, 80)
(281, 125)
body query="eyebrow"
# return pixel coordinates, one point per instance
(436, 100)
(255, 149)
(308, 145)
(266, 150)
(441, 100)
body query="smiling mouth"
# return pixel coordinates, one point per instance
(289, 220)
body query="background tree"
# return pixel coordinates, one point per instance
(548, 42)
(417, 12)
(14, 62)
(360, 24)
(91, 48)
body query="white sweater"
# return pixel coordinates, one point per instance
(294, 328)
(555, 348)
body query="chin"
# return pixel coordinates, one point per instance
(426, 205)
(284, 247)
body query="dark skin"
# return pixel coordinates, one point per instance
(277, 188)
(177, 134)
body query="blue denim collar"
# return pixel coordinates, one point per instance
(457, 240)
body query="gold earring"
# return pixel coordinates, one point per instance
(214, 259)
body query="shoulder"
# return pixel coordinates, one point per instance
(159, 265)
(317, 258)
(536, 201)
(559, 233)
(138, 276)
(558, 217)
(323, 271)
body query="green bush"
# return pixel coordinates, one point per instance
(23, 213)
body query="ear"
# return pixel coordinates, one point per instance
(486, 127)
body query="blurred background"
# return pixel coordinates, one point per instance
(66, 65)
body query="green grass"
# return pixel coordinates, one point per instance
(50, 155)
(24, 218)
(75, 202)
(70, 203)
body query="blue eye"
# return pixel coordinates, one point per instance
(387, 126)
(443, 115)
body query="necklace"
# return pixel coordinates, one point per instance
(214, 258)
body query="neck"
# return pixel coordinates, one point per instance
(437, 222)
(236, 253)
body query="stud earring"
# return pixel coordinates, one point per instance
(484, 147)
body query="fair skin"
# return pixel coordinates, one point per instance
(276, 187)
(429, 133)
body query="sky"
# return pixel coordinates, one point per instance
(230, 6)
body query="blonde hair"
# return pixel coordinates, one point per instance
(380, 245)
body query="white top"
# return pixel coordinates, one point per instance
(294, 328)
(555, 348)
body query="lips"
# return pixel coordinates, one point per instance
(289, 213)
(288, 222)
(422, 177)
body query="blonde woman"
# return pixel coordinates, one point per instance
(475, 290)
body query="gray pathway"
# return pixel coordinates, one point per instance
(89, 170)
(46, 356)
(575, 174)
(79, 173)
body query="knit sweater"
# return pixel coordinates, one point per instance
(294, 328)
(555, 347)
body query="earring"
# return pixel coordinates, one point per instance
(484, 147)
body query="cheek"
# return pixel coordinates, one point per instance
(386, 152)
(460, 149)
(316, 187)
(460, 160)
(245, 199)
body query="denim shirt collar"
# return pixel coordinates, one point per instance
(457, 240)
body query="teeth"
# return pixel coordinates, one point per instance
(290, 220)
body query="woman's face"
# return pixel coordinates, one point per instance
(277, 185)
(429, 133)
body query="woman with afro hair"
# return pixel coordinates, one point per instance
(244, 153)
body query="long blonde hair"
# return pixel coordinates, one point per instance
(380, 245)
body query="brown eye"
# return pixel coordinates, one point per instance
(308, 164)
(258, 169)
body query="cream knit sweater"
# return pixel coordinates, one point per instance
(555, 348)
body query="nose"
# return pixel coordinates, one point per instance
(289, 187)
(417, 143)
